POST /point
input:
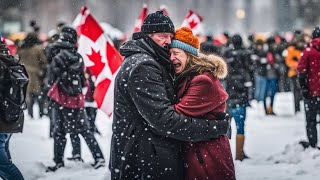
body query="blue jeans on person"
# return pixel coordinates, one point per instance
(8, 171)
(271, 90)
(260, 87)
(239, 115)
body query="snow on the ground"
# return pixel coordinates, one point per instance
(271, 142)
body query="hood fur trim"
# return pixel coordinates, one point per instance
(221, 68)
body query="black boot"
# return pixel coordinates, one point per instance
(76, 158)
(99, 163)
(54, 168)
(304, 144)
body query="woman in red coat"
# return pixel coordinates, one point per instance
(201, 95)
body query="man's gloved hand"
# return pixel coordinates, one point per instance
(221, 125)
(227, 117)
(223, 116)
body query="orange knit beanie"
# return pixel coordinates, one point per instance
(185, 40)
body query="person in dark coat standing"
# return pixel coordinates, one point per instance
(68, 111)
(32, 56)
(237, 86)
(309, 77)
(260, 62)
(201, 95)
(147, 132)
(8, 170)
(208, 47)
(272, 77)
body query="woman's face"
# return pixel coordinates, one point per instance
(179, 59)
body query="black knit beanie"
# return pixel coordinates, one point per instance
(68, 34)
(316, 33)
(237, 40)
(157, 22)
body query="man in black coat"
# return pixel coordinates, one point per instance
(147, 132)
(7, 169)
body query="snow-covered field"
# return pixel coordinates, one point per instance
(271, 142)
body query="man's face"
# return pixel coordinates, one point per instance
(162, 39)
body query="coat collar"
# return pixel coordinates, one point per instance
(159, 53)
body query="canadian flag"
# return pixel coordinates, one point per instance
(142, 16)
(164, 9)
(100, 56)
(193, 21)
(220, 39)
(10, 44)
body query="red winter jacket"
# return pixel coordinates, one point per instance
(310, 64)
(204, 98)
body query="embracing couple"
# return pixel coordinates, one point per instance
(169, 117)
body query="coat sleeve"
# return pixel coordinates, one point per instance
(303, 62)
(302, 71)
(199, 99)
(148, 93)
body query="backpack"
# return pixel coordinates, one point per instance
(14, 81)
(71, 67)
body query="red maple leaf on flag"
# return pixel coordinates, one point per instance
(95, 57)
(193, 23)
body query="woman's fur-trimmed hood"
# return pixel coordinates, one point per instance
(212, 64)
(220, 66)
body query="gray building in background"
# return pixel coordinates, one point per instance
(244, 16)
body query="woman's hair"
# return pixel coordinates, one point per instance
(211, 63)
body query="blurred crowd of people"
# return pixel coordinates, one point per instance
(266, 66)
(270, 64)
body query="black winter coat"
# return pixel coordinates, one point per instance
(6, 60)
(238, 80)
(51, 51)
(147, 132)
(260, 62)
